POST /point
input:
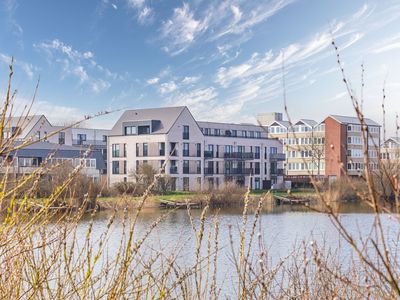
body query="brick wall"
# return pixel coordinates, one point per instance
(335, 149)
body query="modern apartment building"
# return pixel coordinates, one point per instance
(197, 154)
(390, 149)
(325, 150)
(303, 145)
(344, 151)
(36, 127)
(29, 158)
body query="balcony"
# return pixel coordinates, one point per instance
(277, 156)
(239, 171)
(209, 171)
(277, 172)
(208, 154)
(239, 155)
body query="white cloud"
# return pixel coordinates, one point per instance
(181, 30)
(136, 3)
(145, 15)
(10, 7)
(152, 81)
(82, 65)
(389, 44)
(191, 79)
(114, 6)
(167, 87)
(28, 68)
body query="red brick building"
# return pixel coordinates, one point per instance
(344, 151)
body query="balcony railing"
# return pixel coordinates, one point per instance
(209, 171)
(239, 155)
(239, 171)
(277, 172)
(277, 156)
(208, 154)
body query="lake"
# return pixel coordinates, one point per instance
(280, 228)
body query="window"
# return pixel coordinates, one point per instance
(234, 133)
(145, 149)
(257, 183)
(185, 167)
(198, 166)
(273, 150)
(217, 132)
(258, 134)
(185, 134)
(115, 150)
(130, 130)
(198, 150)
(186, 183)
(257, 168)
(173, 149)
(115, 167)
(81, 138)
(161, 147)
(185, 150)
(143, 129)
(104, 138)
(174, 167)
(61, 138)
(251, 134)
(244, 133)
(257, 152)
(37, 135)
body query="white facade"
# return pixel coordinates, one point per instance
(172, 135)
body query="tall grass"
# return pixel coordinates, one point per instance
(43, 254)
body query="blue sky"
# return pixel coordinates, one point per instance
(220, 58)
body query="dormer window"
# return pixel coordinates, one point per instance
(143, 129)
(130, 130)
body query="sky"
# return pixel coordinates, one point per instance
(222, 59)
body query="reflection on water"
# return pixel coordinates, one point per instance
(282, 228)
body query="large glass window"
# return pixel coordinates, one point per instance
(185, 167)
(130, 130)
(61, 138)
(115, 150)
(145, 149)
(115, 167)
(185, 134)
(185, 149)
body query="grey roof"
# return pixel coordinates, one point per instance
(308, 122)
(246, 126)
(394, 139)
(45, 149)
(26, 123)
(285, 124)
(166, 115)
(353, 120)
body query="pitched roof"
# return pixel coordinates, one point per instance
(26, 123)
(353, 120)
(166, 115)
(393, 139)
(308, 122)
(285, 124)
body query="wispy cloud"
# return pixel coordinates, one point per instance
(188, 24)
(389, 44)
(153, 80)
(28, 68)
(167, 87)
(79, 64)
(181, 30)
(10, 7)
(190, 79)
(144, 13)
